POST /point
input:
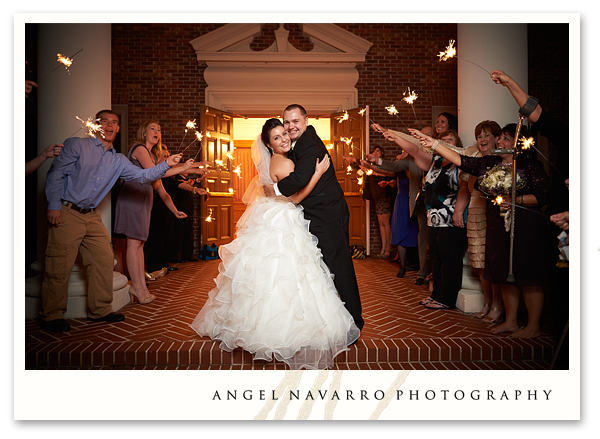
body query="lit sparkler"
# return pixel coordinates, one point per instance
(231, 190)
(499, 200)
(348, 170)
(330, 147)
(450, 52)
(209, 218)
(343, 117)
(219, 163)
(63, 61)
(526, 143)
(92, 126)
(394, 112)
(230, 155)
(410, 99)
(238, 170)
(190, 125)
(362, 111)
(198, 138)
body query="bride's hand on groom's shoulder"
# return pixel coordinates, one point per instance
(322, 166)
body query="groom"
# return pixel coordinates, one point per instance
(325, 206)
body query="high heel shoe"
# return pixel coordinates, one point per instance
(481, 314)
(387, 254)
(488, 319)
(142, 300)
(402, 272)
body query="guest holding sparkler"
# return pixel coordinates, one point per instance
(134, 205)
(405, 229)
(531, 231)
(447, 236)
(558, 205)
(383, 204)
(48, 153)
(78, 180)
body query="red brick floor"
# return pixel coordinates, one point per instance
(398, 333)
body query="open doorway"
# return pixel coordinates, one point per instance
(246, 130)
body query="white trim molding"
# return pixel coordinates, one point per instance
(249, 82)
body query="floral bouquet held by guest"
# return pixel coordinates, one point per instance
(496, 184)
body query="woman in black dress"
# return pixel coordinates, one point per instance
(531, 231)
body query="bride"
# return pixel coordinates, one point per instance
(275, 296)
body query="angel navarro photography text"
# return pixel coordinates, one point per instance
(400, 395)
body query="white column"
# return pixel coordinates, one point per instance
(62, 95)
(493, 47)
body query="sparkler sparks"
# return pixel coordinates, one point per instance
(362, 111)
(190, 125)
(209, 218)
(450, 52)
(394, 112)
(343, 117)
(238, 170)
(526, 143)
(92, 126)
(65, 60)
(410, 99)
(62, 60)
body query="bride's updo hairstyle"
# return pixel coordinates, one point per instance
(265, 135)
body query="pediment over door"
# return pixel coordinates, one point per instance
(243, 81)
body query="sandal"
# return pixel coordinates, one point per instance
(436, 305)
(488, 319)
(481, 314)
(426, 301)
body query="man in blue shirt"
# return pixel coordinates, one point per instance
(78, 180)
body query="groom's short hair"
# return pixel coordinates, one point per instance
(296, 107)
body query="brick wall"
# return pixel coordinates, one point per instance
(155, 73)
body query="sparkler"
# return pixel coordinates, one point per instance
(450, 52)
(410, 99)
(209, 218)
(238, 170)
(190, 125)
(343, 117)
(92, 126)
(362, 111)
(198, 138)
(62, 60)
(207, 135)
(394, 112)
(529, 142)
(499, 200)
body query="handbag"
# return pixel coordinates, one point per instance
(208, 253)
(358, 251)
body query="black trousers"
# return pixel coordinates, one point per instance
(446, 250)
(334, 244)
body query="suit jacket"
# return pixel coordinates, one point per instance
(416, 175)
(326, 202)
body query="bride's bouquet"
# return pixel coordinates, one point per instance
(496, 183)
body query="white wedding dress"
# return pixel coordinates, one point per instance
(274, 295)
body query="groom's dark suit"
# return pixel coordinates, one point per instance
(328, 213)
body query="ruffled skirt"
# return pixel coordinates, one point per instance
(274, 296)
